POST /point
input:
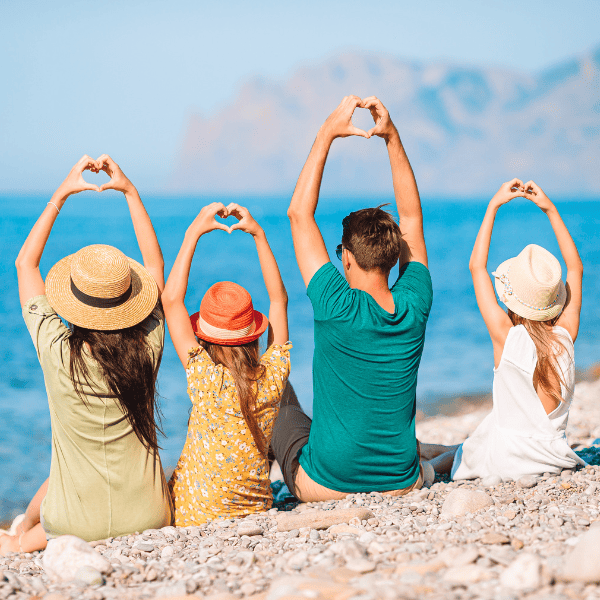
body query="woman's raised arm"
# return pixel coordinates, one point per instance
(142, 225)
(30, 279)
(496, 320)
(569, 318)
(173, 297)
(278, 298)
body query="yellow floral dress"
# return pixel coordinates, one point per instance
(221, 472)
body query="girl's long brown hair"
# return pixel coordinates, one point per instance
(547, 375)
(126, 363)
(244, 365)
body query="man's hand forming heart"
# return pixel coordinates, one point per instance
(383, 124)
(339, 122)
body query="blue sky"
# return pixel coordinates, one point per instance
(123, 76)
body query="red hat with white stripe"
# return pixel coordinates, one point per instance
(227, 317)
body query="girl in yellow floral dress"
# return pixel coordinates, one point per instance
(223, 470)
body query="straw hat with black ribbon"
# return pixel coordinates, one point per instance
(99, 287)
(227, 316)
(530, 284)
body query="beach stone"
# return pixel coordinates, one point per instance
(360, 565)
(583, 563)
(460, 502)
(249, 528)
(493, 537)
(321, 519)
(524, 574)
(66, 554)
(459, 556)
(167, 552)
(466, 575)
(89, 576)
(173, 591)
(344, 529)
(491, 481)
(349, 550)
(144, 547)
(527, 481)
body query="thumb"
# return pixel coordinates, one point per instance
(106, 186)
(92, 187)
(359, 132)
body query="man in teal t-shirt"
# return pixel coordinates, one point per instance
(368, 338)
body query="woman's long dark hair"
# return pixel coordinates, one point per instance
(125, 360)
(244, 365)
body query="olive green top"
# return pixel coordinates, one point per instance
(103, 481)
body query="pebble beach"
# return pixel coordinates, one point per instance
(535, 538)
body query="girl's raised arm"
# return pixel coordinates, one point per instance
(278, 321)
(496, 320)
(30, 279)
(144, 231)
(173, 297)
(569, 318)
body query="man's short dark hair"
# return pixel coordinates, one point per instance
(373, 237)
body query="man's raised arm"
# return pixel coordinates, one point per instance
(309, 246)
(405, 186)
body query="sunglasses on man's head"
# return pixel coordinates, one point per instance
(338, 251)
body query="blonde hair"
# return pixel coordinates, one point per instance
(548, 375)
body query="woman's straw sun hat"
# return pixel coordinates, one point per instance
(99, 287)
(227, 317)
(530, 284)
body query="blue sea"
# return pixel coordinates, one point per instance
(458, 355)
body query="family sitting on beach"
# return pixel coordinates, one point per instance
(106, 477)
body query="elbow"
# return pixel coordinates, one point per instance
(292, 214)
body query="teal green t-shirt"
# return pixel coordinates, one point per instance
(365, 365)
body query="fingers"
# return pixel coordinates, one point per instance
(106, 186)
(532, 188)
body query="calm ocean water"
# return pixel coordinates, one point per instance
(458, 353)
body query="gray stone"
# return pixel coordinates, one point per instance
(583, 564)
(527, 481)
(89, 576)
(66, 554)
(144, 547)
(321, 519)
(460, 502)
(524, 574)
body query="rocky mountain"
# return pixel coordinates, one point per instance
(466, 129)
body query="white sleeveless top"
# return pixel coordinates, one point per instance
(518, 438)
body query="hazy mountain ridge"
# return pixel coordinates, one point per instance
(465, 129)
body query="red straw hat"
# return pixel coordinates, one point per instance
(227, 317)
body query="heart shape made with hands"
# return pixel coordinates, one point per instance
(226, 213)
(97, 167)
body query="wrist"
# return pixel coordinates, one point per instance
(392, 136)
(60, 197)
(324, 137)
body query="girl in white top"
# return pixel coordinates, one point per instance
(533, 353)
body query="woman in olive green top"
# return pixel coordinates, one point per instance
(106, 478)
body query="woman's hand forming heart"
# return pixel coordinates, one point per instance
(339, 122)
(246, 222)
(118, 180)
(205, 221)
(508, 191)
(74, 182)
